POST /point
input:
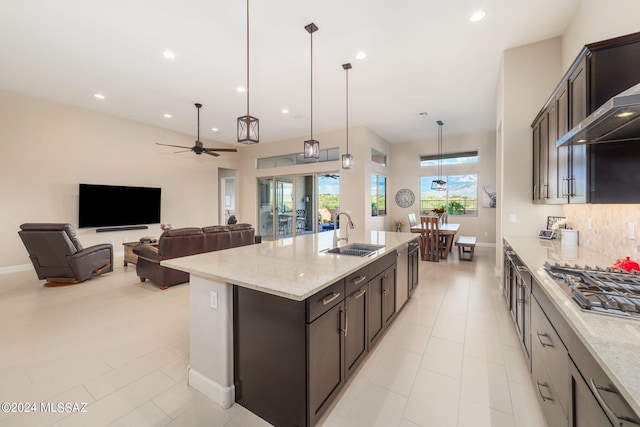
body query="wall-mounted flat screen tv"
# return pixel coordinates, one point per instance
(115, 206)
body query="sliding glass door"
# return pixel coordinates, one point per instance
(294, 205)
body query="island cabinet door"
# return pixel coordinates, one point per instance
(325, 358)
(355, 331)
(389, 295)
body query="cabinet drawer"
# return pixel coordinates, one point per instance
(355, 280)
(324, 300)
(551, 351)
(547, 393)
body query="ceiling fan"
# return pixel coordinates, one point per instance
(198, 148)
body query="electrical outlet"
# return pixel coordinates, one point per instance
(632, 231)
(486, 234)
(214, 300)
(589, 224)
(513, 218)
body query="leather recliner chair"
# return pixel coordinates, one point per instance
(59, 257)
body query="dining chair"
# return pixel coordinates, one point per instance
(430, 243)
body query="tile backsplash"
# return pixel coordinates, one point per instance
(609, 228)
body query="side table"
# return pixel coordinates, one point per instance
(129, 255)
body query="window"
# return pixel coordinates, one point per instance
(327, 155)
(378, 157)
(450, 158)
(460, 197)
(378, 195)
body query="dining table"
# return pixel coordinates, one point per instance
(447, 230)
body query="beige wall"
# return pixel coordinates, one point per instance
(529, 75)
(405, 165)
(597, 20)
(48, 149)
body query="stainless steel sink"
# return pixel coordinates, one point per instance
(355, 249)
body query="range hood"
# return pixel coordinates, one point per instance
(615, 121)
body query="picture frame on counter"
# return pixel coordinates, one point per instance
(553, 219)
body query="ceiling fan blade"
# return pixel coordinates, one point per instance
(227, 150)
(181, 151)
(176, 146)
(212, 154)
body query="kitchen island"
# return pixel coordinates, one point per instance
(289, 271)
(612, 343)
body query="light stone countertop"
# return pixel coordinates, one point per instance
(613, 342)
(294, 268)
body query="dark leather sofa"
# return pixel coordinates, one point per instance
(187, 241)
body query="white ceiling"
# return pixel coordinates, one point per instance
(422, 55)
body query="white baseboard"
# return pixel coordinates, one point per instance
(223, 396)
(15, 268)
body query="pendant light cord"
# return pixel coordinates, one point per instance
(347, 103)
(311, 85)
(247, 57)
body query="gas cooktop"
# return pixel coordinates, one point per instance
(604, 291)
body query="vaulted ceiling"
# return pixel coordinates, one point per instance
(421, 56)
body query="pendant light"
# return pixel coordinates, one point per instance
(439, 184)
(311, 146)
(248, 126)
(347, 159)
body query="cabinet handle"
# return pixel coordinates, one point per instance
(565, 186)
(544, 398)
(359, 294)
(521, 268)
(359, 280)
(326, 300)
(596, 390)
(543, 343)
(344, 330)
(572, 186)
(546, 187)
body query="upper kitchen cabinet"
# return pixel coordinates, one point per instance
(575, 173)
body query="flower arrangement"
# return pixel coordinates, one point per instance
(398, 223)
(166, 227)
(438, 211)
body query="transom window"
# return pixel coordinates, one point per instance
(450, 158)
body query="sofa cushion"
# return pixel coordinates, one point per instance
(181, 242)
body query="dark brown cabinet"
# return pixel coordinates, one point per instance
(579, 173)
(382, 303)
(549, 368)
(291, 358)
(585, 410)
(326, 364)
(518, 292)
(570, 385)
(355, 331)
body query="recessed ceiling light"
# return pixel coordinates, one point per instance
(168, 54)
(285, 111)
(215, 129)
(168, 116)
(361, 55)
(477, 15)
(240, 89)
(99, 96)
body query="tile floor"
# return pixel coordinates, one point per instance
(451, 358)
